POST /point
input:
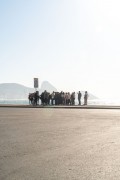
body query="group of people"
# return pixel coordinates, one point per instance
(85, 97)
(56, 98)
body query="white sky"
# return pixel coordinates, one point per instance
(73, 44)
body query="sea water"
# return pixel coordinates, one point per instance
(15, 102)
(90, 102)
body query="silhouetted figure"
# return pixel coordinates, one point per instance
(69, 97)
(52, 98)
(42, 98)
(79, 97)
(85, 98)
(73, 98)
(29, 97)
(63, 98)
(35, 98)
(45, 97)
(49, 98)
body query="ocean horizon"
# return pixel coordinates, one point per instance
(115, 102)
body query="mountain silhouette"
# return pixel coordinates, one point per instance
(18, 91)
(15, 91)
(47, 86)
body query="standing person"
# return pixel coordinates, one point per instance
(73, 98)
(63, 100)
(42, 98)
(85, 98)
(45, 97)
(52, 98)
(79, 97)
(29, 97)
(69, 97)
(36, 98)
(65, 97)
(49, 98)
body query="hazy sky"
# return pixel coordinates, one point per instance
(73, 44)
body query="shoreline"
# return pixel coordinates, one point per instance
(61, 106)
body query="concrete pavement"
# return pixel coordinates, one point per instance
(59, 144)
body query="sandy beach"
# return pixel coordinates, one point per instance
(59, 144)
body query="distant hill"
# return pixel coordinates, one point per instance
(47, 86)
(14, 91)
(17, 91)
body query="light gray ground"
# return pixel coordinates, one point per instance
(59, 144)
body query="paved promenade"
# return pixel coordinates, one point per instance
(59, 144)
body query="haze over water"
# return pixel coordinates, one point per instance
(90, 102)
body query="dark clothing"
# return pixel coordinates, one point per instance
(85, 98)
(79, 98)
